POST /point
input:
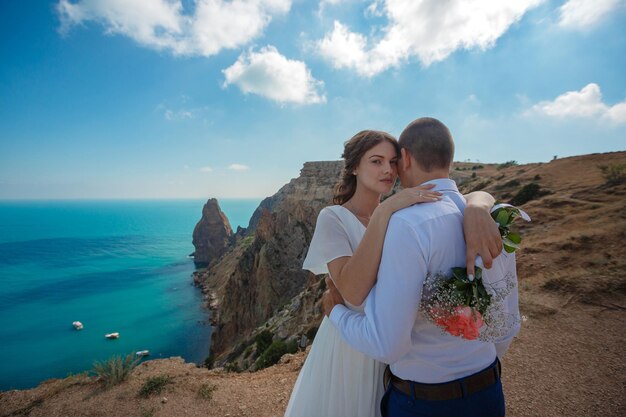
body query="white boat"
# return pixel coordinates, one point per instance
(143, 353)
(112, 335)
(77, 325)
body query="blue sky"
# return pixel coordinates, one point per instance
(212, 98)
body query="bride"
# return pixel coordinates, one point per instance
(336, 380)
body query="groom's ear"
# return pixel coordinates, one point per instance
(406, 158)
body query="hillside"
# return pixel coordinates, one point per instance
(567, 360)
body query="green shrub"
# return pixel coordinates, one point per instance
(473, 175)
(537, 177)
(154, 385)
(614, 174)
(276, 351)
(507, 164)
(206, 391)
(247, 242)
(116, 369)
(528, 192)
(263, 340)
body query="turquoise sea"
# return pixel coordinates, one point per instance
(116, 266)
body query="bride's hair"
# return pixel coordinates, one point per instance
(353, 151)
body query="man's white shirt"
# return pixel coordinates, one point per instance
(422, 239)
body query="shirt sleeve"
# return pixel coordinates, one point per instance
(384, 331)
(330, 241)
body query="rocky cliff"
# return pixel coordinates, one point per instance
(262, 271)
(212, 236)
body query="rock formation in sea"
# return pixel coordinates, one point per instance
(212, 236)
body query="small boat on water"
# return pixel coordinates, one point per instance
(143, 353)
(115, 335)
(77, 325)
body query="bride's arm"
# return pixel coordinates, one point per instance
(482, 236)
(355, 275)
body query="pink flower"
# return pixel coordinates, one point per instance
(464, 321)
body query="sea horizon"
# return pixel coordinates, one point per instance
(116, 265)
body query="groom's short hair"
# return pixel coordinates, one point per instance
(429, 142)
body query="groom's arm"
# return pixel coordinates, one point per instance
(384, 331)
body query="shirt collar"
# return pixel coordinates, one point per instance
(443, 184)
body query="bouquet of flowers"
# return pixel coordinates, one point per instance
(465, 306)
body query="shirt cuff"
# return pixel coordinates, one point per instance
(337, 313)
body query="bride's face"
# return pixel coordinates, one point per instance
(378, 168)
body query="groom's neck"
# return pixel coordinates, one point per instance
(421, 177)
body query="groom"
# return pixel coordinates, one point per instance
(432, 372)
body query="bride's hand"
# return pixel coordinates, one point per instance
(331, 297)
(409, 196)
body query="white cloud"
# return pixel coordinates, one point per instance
(583, 14)
(173, 115)
(238, 167)
(586, 103)
(164, 25)
(271, 75)
(206, 169)
(428, 29)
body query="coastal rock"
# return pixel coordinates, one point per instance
(212, 235)
(315, 184)
(263, 271)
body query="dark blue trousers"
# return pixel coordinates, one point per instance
(488, 402)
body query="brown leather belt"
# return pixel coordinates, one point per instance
(446, 391)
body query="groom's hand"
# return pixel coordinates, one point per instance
(482, 237)
(331, 297)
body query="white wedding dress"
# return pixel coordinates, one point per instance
(336, 380)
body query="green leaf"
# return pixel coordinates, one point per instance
(482, 291)
(508, 242)
(502, 217)
(478, 273)
(514, 237)
(508, 249)
(460, 273)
